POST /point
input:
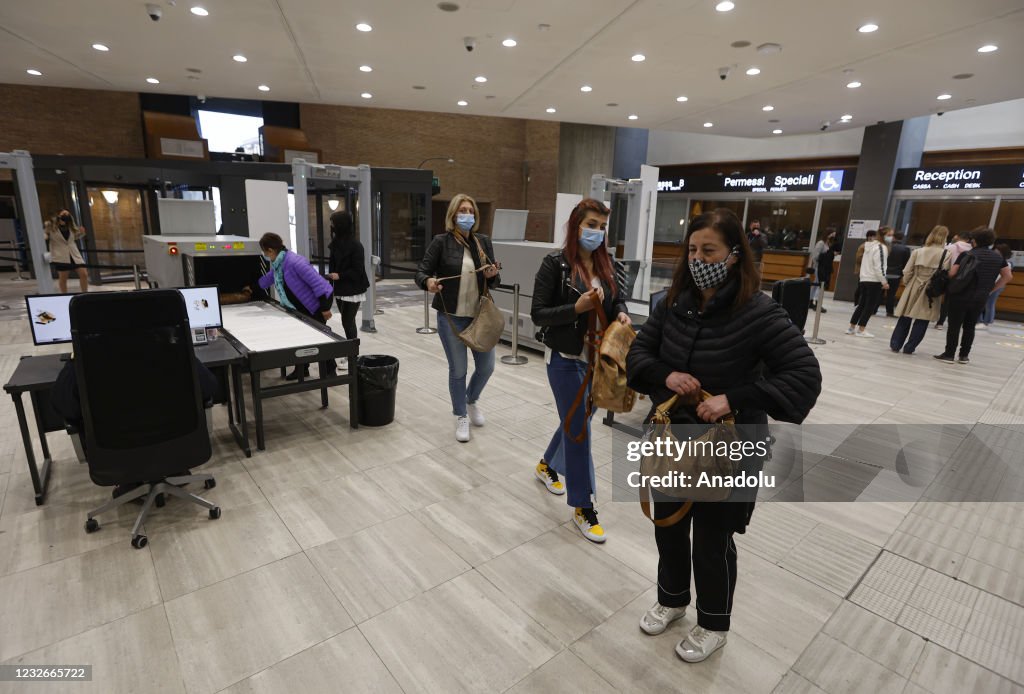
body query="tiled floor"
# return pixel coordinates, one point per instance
(397, 560)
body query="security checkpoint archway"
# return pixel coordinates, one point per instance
(20, 162)
(359, 178)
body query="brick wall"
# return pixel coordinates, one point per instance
(489, 152)
(85, 122)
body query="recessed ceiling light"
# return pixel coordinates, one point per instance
(153, 80)
(681, 99)
(776, 132)
(509, 43)
(769, 107)
(34, 72)
(868, 28)
(944, 97)
(709, 124)
(988, 48)
(633, 116)
(769, 48)
(239, 58)
(586, 88)
(263, 88)
(463, 103)
(480, 78)
(366, 95)
(365, 68)
(550, 110)
(100, 47)
(853, 85)
(753, 71)
(199, 11)
(639, 58)
(725, 6)
(847, 117)
(363, 26)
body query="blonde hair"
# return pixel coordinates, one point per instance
(453, 209)
(938, 236)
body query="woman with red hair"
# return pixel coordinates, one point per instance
(575, 288)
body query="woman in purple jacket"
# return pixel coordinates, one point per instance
(299, 287)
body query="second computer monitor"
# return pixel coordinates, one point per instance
(203, 305)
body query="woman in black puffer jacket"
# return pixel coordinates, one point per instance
(717, 332)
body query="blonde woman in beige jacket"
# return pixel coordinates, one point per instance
(915, 310)
(61, 233)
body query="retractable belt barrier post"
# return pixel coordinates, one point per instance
(814, 339)
(515, 359)
(426, 329)
(135, 276)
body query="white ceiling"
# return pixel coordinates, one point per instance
(310, 51)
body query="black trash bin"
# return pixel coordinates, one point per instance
(378, 381)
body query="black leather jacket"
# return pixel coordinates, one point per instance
(444, 259)
(554, 306)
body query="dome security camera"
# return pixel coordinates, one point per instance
(723, 72)
(470, 43)
(154, 11)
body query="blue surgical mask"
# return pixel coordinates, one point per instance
(264, 256)
(591, 239)
(465, 221)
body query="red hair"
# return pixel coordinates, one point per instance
(602, 261)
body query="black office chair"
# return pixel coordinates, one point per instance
(142, 409)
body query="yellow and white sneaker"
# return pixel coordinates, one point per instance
(549, 477)
(586, 520)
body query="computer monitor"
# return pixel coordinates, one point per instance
(203, 305)
(49, 318)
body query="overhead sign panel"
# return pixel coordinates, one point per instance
(822, 181)
(961, 177)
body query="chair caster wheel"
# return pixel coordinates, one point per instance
(210, 484)
(92, 525)
(139, 541)
(160, 500)
(215, 513)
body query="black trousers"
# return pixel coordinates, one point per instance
(890, 294)
(348, 311)
(943, 311)
(962, 314)
(712, 557)
(869, 297)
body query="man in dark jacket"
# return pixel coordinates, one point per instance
(756, 240)
(899, 254)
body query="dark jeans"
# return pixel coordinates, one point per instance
(943, 311)
(348, 311)
(567, 457)
(713, 554)
(870, 296)
(962, 314)
(915, 327)
(890, 294)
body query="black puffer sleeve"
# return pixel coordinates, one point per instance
(547, 308)
(791, 380)
(645, 371)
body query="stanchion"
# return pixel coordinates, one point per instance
(426, 329)
(135, 276)
(814, 339)
(514, 358)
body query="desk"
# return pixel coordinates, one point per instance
(35, 375)
(270, 336)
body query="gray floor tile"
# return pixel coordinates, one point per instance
(878, 639)
(302, 465)
(830, 558)
(425, 479)
(793, 683)
(942, 671)
(233, 629)
(463, 636)
(562, 672)
(839, 669)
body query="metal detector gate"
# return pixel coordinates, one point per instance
(20, 162)
(359, 177)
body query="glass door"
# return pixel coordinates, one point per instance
(404, 228)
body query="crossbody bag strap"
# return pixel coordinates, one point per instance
(668, 521)
(582, 398)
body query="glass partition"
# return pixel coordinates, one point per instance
(918, 217)
(118, 225)
(1009, 226)
(786, 224)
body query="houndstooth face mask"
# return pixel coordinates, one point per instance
(708, 275)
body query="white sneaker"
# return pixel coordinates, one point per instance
(586, 521)
(699, 644)
(656, 620)
(462, 429)
(982, 326)
(476, 415)
(863, 333)
(849, 331)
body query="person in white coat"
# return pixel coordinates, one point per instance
(872, 284)
(61, 235)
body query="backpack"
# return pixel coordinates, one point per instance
(966, 276)
(608, 388)
(939, 282)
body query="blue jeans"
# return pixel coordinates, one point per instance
(916, 331)
(989, 314)
(568, 458)
(458, 364)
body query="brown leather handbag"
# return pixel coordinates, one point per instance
(609, 389)
(484, 332)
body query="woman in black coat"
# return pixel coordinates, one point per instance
(348, 271)
(717, 332)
